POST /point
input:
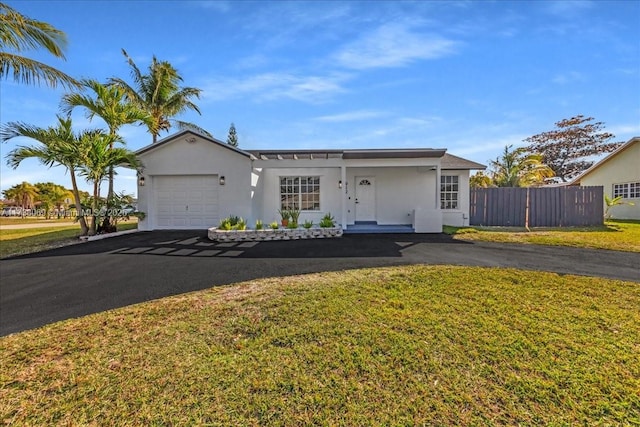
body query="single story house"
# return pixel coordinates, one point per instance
(619, 174)
(190, 181)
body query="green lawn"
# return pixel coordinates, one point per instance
(616, 235)
(11, 220)
(28, 240)
(395, 346)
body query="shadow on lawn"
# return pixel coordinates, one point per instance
(194, 243)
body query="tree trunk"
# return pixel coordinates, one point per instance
(76, 195)
(94, 209)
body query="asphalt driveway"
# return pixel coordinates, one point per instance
(86, 278)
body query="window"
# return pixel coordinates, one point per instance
(300, 192)
(449, 192)
(627, 190)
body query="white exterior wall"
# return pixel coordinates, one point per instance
(266, 200)
(201, 157)
(622, 168)
(458, 217)
(399, 192)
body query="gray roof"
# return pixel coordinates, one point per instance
(410, 153)
(449, 161)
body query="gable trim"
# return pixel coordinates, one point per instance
(187, 134)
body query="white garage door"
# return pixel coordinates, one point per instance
(186, 201)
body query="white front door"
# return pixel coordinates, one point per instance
(186, 201)
(365, 198)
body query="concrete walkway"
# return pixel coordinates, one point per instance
(77, 280)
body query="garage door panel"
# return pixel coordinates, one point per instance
(186, 201)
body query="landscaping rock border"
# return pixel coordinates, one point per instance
(270, 234)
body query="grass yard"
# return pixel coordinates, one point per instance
(619, 235)
(12, 220)
(28, 240)
(395, 346)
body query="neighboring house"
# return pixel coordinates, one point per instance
(619, 174)
(190, 181)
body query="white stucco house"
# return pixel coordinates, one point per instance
(190, 181)
(619, 174)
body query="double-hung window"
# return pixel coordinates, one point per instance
(449, 191)
(627, 190)
(300, 192)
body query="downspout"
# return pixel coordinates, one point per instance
(343, 196)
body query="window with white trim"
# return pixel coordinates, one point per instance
(627, 190)
(449, 191)
(300, 192)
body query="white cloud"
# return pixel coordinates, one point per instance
(393, 45)
(567, 8)
(570, 77)
(351, 116)
(272, 86)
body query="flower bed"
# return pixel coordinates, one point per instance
(270, 234)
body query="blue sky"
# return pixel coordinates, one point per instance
(468, 76)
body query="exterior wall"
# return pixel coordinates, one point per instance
(266, 198)
(458, 217)
(400, 191)
(201, 157)
(623, 167)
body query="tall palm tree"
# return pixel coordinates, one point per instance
(98, 159)
(23, 194)
(517, 169)
(19, 33)
(160, 95)
(57, 146)
(111, 105)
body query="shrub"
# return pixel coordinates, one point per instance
(225, 224)
(259, 224)
(232, 223)
(292, 225)
(274, 225)
(308, 224)
(327, 221)
(294, 214)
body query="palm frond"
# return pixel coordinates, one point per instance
(20, 33)
(29, 71)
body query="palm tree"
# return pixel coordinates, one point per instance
(160, 95)
(58, 146)
(19, 33)
(98, 159)
(516, 169)
(23, 194)
(111, 105)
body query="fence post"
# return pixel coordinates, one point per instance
(526, 211)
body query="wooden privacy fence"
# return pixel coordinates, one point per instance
(537, 207)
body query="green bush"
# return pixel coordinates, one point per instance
(292, 225)
(232, 223)
(259, 224)
(308, 224)
(274, 225)
(327, 221)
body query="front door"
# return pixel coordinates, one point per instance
(365, 198)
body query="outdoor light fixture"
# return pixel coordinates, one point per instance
(141, 181)
(221, 180)
(340, 184)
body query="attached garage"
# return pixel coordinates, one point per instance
(186, 201)
(190, 181)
